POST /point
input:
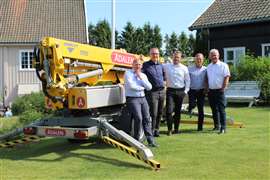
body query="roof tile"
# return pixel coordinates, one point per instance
(228, 12)
(28, 21)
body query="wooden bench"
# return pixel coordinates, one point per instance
(243, 91)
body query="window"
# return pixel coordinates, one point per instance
(266, 49)
(26, 60)
(232, 55)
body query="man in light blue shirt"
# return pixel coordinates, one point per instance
(196, 93)
(135, 84)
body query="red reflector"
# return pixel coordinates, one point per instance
(29, 130)
(80, 134)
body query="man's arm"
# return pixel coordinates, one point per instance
(225, 83)
(187, 81)
(132, 84)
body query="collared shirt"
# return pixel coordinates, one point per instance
(216, 74)
(177, 76)
(197, 77)
(134, 86)
(155, 74)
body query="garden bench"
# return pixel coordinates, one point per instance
(243, 91)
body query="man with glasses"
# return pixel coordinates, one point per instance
(155, 97)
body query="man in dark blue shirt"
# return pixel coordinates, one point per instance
(155, 74)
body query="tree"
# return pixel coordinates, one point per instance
(183, 44)
(191, 45)
(167, 48)
(100, 35)
(127, 38)
(172, 43)
(201, 44)
(157, 38)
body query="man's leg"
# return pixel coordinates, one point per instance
(178, 100)
(146, 122)
(134, 107)
(154, 108)
(200, 105)
(221, 109)
(169, 110)
(161, 99)
(213, 104)
(191, 100)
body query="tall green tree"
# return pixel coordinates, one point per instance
(183, 44)
(157, 38)
(201, 44)
(172, 44)
(191, 45)
(166, 42)
(100, 35)
(127, 37)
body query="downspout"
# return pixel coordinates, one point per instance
(208, 39)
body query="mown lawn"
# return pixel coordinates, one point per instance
(239, 154)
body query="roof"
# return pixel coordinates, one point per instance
(233, 12)
(28, 21)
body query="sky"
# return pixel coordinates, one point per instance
(169, 15)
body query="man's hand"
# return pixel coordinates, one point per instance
(138, 74)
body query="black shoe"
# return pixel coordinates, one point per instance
(215, 129)
(176, 132)
(190, 113)
(153, 145)
(156, 133)
(222, 131)
(169, 133)
(199, 129)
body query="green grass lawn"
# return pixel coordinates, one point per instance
(239, 154)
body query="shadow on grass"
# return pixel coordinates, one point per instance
(63, 149)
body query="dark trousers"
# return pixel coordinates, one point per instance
(217, 104)
(174, 100)
(155, 100)
(139, 109)
(196, 97)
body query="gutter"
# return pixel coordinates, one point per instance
(191, 28)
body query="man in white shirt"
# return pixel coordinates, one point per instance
(218, 75)
(135, 84)
(177, 82)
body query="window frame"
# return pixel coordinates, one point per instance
(225, 50)
(262, 46)
(28, 60)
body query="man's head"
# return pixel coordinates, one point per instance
(154, 54)
(199, 60)
(137, 65)
(214, 55)
(177, 56)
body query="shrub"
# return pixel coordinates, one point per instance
(29, 116)
(255, 69)
(33, 101)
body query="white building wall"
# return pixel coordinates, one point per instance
(12, 74)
